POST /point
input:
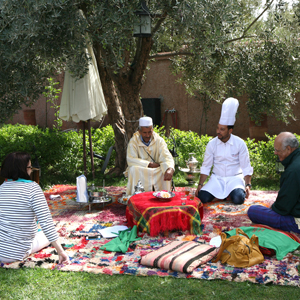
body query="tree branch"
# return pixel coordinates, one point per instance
(159, 22)
(240, 38)
(141, 59)
(255, 20)
(170, 54)
(103, 54)
(252, 23)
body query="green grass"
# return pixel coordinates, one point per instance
(46, 284)
(37, 283)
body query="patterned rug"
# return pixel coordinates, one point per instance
(75, 222)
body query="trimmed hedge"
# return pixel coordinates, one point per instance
(60, 153)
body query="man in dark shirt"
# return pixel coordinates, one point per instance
(285, 212)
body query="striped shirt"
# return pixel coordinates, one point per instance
(21, 205)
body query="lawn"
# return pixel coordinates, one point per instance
(45, 284)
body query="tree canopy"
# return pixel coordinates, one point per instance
(220, 47)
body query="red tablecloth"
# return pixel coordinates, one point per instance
(154, 216)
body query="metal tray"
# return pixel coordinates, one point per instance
(100, 199)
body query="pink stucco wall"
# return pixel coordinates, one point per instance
(160, 83)
(44, 114)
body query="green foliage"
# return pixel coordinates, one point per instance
(267, 72)
(52, 95)
(60, 154)
(260, 59)
(186, 142)
(261, 153)
(262, 158)
(39, 37)
(102, 140)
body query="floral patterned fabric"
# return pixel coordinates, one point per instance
(74, 223)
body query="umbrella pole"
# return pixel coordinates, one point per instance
(84, 149)
(91, 149)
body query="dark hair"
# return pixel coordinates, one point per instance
(14, 166)
(230, 127)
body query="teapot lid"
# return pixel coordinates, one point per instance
(192, 158)
(139, 185)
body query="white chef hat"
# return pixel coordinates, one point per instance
(145, 122)
(229, 109)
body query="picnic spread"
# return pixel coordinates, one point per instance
(79, 231)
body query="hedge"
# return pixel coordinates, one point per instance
(60, 153)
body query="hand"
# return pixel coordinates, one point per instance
(153, 165)
(247, 190)
(64, 258)
(168, 174)
(198, 189)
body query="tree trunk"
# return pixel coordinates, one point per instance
(129, 84)
(121, 94)
(116, 117)
(131, 106)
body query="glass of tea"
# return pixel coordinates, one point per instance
(187, 191)
(192, 194)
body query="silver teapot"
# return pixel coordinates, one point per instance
(192, 162)
(139, 188)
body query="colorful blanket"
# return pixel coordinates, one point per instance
(75, 222)
(154, 216)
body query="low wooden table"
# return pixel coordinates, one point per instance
(154, 216)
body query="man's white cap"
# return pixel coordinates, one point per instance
(229, 109)
(145, 122)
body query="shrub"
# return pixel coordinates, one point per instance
(262, 158)
(60, 154)
(186, 142)
(261, 153)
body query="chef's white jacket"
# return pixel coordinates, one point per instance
(230, 162)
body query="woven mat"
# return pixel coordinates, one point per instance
(74, 222)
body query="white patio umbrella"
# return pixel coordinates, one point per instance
(83, 100)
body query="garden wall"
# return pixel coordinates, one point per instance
(177, 108)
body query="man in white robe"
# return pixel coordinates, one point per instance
(229, 157)
(148, 159)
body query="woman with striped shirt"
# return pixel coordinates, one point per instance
(22, 204)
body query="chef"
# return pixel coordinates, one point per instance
(228, 155)
(149, 160)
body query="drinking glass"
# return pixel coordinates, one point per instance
(187, 191)
(192, 194)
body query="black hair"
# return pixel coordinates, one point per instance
(14, 166)
(230, 126)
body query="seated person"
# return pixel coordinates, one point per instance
(284, 214)
(22, 204)
(229, 157)
(148, 159)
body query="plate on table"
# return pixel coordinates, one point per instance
(100, 199)
(163, 195)
(124, 200)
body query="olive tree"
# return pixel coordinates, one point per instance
(40, 38)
